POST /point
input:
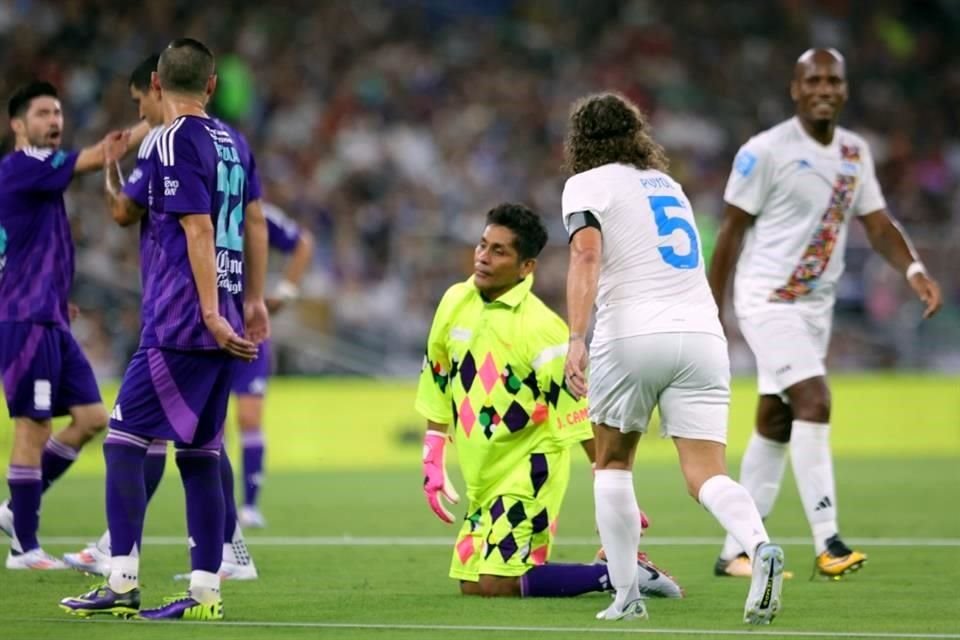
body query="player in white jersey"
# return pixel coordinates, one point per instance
(635, 254)
(791, 192)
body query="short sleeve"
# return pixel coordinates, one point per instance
(185, 182)
(582, 192)
(434, 395)
(567, 417)
(282, 232)
(750, 179)
(36, 169)
(870, 198)
(137, 186)
(254, 190)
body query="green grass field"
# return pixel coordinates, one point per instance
(352, 551)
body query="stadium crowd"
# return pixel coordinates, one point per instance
(390, 127)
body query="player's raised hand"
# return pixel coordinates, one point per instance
(574, 370)
(115, 145)
(229, 341)
(928, 291)
(436, 482)
(257, 321)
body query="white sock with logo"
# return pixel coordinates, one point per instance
(734, 509)
(761, 474)
(124, 573)
(813, 469)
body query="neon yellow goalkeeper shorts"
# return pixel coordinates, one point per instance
(514, 529)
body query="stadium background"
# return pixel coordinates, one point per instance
(388, 128)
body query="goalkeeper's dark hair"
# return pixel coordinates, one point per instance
(141, 76)
(185, 66)
(20, 101)
(528, 229)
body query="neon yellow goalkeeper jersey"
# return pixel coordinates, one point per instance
(494, 371)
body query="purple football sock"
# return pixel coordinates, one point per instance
(564, 580)
(126, 493)
(200, 471)
(229, 500)
(26, 487)
(153, 467)
(252, 443)
(57, 458)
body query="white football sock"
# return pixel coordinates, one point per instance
(618, 520)
(734, 509)
(761, 473)
(124, 573)
(204, 586)
(103, 544)
(813, 469)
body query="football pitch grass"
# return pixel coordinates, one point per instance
(352, 551)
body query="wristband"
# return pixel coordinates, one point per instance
(287, 291)
(915, 267)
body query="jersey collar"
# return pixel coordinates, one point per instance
(514, 296)
(833, 146)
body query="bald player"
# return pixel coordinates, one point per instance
(791, 192)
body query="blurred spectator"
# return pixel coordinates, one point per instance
(389, 127)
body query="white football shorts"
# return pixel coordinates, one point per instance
(686, 374)
(789, 347)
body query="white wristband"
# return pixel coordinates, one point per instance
(287, 291)
(915, 268)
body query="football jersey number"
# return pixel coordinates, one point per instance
(666, 225)
(230, 180)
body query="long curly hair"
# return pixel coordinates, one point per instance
(606, 128)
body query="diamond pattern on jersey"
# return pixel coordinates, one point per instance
(489, 418)
(467, 417)
(539, 472)
(516, 515)
(468, 372)
(516, 417)
(489, 375)
(510, 380)
(500, 398)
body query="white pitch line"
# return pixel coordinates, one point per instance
(519, 629)
(414, 541)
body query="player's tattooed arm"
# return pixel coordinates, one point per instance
(889, 239)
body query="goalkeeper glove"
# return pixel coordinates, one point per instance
(436, 482)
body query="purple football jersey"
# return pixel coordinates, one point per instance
(282, 232)
(137, 188)
(199, 168)
(36, 248)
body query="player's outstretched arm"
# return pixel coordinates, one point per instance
(114, 145)
(890, 240)
(288, 289)
(735, 223)
(198, 229)
(582, 277)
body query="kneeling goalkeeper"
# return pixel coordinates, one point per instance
(494, 373)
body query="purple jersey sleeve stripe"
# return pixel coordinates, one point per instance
(180, 416)
(13, 374)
